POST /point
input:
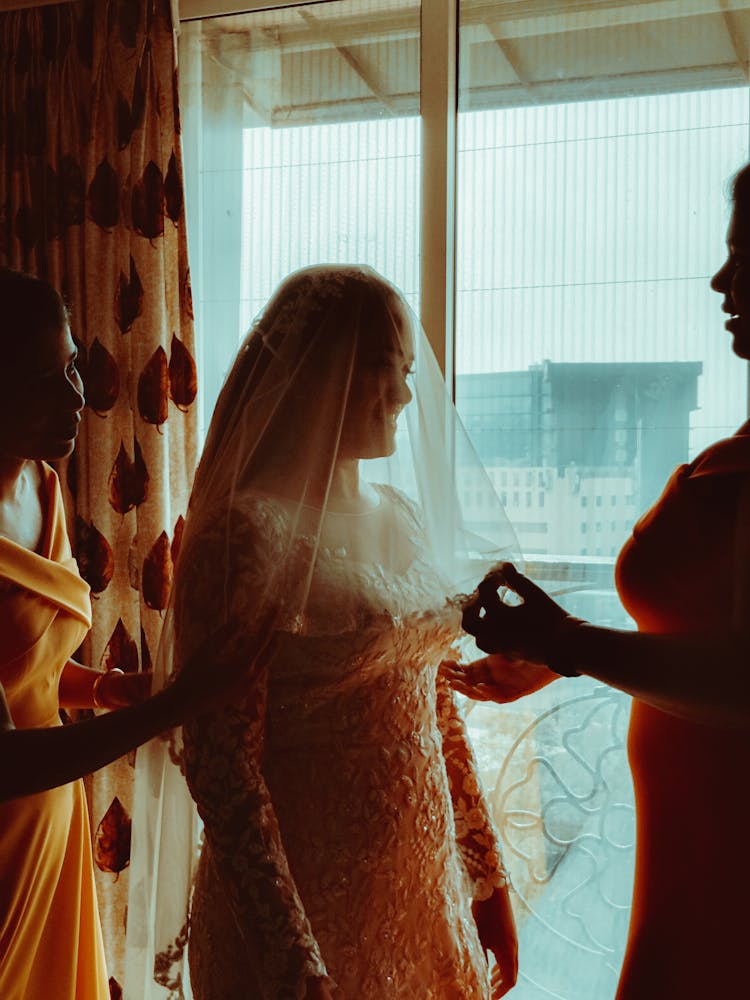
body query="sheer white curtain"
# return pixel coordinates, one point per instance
(212, 106)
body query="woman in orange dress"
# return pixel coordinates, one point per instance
(50, 939)
(684, 576)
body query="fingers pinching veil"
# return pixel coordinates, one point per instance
(334, 456)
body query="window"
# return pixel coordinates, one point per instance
(295, 153)
(584, 324)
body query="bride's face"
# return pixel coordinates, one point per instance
(379, 388)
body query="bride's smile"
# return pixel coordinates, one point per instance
(379, 392)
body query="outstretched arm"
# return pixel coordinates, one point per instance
(83, 687)
(701, 678)
(33, 760)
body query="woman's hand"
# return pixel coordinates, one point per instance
(117, 690)
(530, 631)
(497, 933)
(498, 984)
(210, 678)
(496, 678)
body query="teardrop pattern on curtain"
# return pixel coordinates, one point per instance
(153, 389)
(112, 840)
(147, 206)
(121, 651)
(158, 569)
(173, 191)
(128, 481)
(183, 376)
(94, 556)
(104, 196)
(129, 299)
(102, 379)
(91, 197)
(177, 538)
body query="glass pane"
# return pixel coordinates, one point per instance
(594, 148)
(346, 192)
(306, 150)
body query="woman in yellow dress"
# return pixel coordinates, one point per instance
(50, 941)
(50, 938)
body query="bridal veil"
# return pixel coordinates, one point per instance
(335, 416)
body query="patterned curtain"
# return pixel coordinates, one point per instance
(91, 198)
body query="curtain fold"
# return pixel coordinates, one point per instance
(91, 198)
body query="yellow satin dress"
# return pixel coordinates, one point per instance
(50, 936)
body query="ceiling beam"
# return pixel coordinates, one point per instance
(506, 20)
(333, 38)
(737, 40)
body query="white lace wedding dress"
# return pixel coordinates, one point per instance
(345, 833)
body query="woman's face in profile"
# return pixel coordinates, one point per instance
(733, 282)
(379, 388)
(41, 398)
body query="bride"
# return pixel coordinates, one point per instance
(343, 847)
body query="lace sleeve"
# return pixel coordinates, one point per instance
(223, 752)
(475, 832)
